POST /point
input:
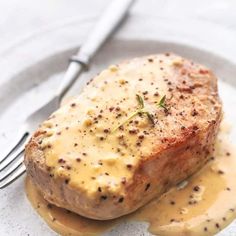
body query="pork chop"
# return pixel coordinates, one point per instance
(137, 129)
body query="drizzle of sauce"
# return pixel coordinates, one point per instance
(202, 205)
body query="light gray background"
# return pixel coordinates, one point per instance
(19, 19)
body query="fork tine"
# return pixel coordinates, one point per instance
(15, 144)
(20, 171)
(14, 155)
(12, 168)
(9, 160)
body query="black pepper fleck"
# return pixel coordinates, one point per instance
(103, 197)
(147, 186)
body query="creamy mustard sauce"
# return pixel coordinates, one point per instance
(63, 221)
(81, 144)
(95, 150)
(202, 205)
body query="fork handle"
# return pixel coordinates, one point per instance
(107, 24)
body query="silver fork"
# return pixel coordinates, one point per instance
(11, 164)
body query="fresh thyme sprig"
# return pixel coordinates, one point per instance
(140, 111)
(162, 102)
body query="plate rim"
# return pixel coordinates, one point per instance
(41, 43)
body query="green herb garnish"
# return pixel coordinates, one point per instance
(140, 111)
(161, 103)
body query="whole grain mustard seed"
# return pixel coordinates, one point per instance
(220, 172)
(133, 131)
(194, 112)
(147, 186)
(121, 199)
(73, 104)
(103, 197)
(129, 166)
(61, 160)
(196, 188)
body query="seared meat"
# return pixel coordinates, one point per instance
(137, 129)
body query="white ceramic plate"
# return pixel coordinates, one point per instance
(31, 69)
